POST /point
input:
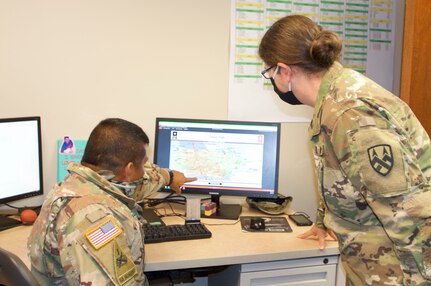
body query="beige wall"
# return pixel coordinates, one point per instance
(76, 62)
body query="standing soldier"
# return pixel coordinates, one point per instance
(373, 157)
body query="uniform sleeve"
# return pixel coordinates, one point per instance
(381, 163)
(98, 244)
(153, 181)
(320, 215)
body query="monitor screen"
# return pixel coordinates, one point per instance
(21, 159)
(234, 158)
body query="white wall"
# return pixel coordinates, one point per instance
(77, 62)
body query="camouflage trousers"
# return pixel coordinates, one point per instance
(369, 259)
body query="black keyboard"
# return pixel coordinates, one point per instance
(162, 233)
(6, 222)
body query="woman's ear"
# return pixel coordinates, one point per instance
(285, 71)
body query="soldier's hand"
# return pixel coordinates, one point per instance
(179, 180)
(320, 233)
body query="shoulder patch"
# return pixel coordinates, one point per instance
(96, 215)
(124, 267)
(103, 234)
(379, 163)
(381, 158)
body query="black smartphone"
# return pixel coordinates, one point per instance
(300, 220)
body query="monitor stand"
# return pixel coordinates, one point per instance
(224, 211)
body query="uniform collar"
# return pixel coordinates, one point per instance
(101, 182)
(326, 86)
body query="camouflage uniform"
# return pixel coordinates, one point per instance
(89, 233)
(373, 163)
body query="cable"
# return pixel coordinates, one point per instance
(214, 224)
(6, 204)
(303, 213)
(171, 198)
(166, 214)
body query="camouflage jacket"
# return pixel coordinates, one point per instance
(88, 232)
(373, 163)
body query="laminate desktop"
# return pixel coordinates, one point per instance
(229, 245)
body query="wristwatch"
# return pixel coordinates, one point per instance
(171, 177)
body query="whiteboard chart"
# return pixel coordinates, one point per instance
(367, 28)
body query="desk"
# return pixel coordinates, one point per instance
(229, 245)
(15, 240)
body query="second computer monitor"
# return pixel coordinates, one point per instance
(234, 158)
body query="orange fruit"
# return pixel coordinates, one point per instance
(28, 216)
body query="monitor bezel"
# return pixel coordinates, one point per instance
(28, 194)
(220, 192)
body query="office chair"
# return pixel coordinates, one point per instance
(13, 271)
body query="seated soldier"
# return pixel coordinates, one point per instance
(89, 230)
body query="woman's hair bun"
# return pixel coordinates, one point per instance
(325, 48)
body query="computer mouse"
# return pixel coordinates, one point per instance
(257, 223)
(28, 216)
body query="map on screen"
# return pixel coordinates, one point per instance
(219, 162)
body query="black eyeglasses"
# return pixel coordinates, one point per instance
(265, 73)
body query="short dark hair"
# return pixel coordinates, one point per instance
(115, 142)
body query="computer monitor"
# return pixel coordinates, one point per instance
(21, 159)
(234, 158)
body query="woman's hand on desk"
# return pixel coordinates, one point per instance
(179, 180)
(320, 233)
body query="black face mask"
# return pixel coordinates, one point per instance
(288, 97)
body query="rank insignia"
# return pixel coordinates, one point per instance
(381, 158)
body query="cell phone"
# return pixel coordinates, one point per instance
(300, 220)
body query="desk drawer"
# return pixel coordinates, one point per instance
(322, 275)
(310, 271)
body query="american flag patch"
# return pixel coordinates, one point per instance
(103, 234)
